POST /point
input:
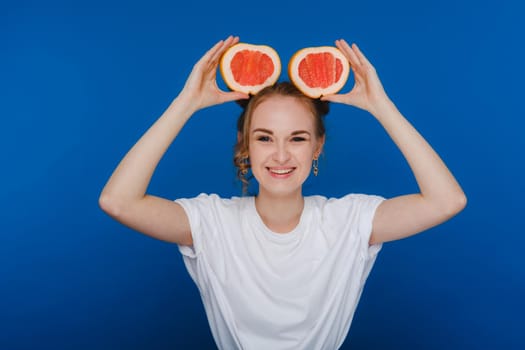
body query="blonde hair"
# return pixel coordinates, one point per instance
(241, 151)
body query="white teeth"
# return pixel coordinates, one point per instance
(281, 171)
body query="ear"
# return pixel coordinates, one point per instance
(239, 136)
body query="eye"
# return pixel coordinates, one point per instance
(263, 138)
(298, 139)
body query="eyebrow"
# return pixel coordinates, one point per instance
(297, 132)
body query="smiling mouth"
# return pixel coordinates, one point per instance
(282, 171)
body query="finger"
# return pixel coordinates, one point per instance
(211, 52)
(233, 96)
(219, 50)
(360, 55)
(235, 40)
(344, 45)
(349, 53)
(230, 41)
(337, 98)
(204, 61)
(216, 50)
(208, 62)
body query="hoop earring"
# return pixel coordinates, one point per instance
(315, 165)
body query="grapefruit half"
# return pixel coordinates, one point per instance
(249, 68)
(319, 71)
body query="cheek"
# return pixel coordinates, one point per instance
(308, 153)
(256, 154)
(307, 161)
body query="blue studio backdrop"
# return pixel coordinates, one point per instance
(81, 81)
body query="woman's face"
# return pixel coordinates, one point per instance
(282, 145)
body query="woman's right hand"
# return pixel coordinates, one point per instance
(124, 197)
(201, 89)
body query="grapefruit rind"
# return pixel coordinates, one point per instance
(228, 76)
(316, 92)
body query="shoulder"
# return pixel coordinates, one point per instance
(349, 202)
(348, 220)
(211, 202)
(338, 212)
(210, 217)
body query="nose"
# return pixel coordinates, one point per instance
(281, 153)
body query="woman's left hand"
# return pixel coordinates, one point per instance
(368, 91)
(440, 196)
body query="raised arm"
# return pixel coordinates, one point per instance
(124, 195)
(440, 195)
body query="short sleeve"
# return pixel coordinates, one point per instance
(368, 206)
(355, 212)
(195, 208)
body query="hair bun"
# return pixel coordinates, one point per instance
(243, 102)
(322, 107)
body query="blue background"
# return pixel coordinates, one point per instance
(81, 82)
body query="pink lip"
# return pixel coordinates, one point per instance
(281, 176)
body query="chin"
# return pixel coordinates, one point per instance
(285, 184)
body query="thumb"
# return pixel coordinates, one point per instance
(233, 96)
(337, 98)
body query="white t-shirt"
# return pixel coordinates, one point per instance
(266, 290)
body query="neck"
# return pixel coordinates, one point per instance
(281, 214)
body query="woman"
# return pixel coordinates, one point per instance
(280, 270)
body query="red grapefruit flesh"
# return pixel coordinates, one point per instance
(250, 68)
(319, 71)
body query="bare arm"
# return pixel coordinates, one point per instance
(124, 196)
(440, 195)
